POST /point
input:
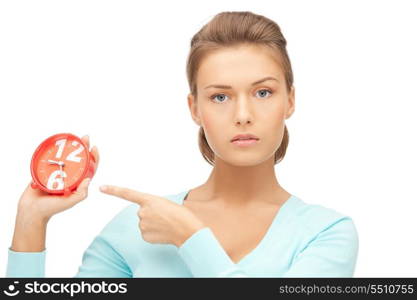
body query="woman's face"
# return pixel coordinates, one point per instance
(243, 107)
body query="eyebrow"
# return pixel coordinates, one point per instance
(221, 86)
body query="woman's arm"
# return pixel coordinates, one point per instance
(331, 253)
(25, 264)
(26, 256)
(205, 257)
(100, 259)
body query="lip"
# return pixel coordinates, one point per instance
(244, 136)
(245, 143)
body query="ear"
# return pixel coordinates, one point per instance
(192, 105)
(291, 103)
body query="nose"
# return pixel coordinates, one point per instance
(243, 113)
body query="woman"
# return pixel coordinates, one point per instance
(241, 222)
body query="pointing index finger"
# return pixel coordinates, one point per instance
(124, 193)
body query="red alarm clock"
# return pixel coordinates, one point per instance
(60, 163)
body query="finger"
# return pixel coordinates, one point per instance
(32, 189)
(124, 193)
(80, 193)
(96, 155)
(86, 140)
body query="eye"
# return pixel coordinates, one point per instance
(223, 95)
(265, 90)
(215, 96)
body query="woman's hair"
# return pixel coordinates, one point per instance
(230, 29)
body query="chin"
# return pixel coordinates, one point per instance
(244, 159)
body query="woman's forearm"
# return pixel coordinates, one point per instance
(29, 234)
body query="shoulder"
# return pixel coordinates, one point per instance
(318, 221)
(317, 217)
(327, 240)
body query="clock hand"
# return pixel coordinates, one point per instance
(60, 164)
(62, 173)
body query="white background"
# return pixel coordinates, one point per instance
(116, 70)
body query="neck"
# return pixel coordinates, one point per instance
(239, 185)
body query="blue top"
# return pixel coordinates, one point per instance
(303, 240)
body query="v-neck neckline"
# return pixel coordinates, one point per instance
(264, 241)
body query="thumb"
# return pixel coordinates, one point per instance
(80, 193)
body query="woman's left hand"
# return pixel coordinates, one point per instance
(160, 220)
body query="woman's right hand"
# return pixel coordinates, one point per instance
(38, 205)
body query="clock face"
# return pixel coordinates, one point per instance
(60, 162)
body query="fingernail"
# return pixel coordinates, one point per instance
(103, 188)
